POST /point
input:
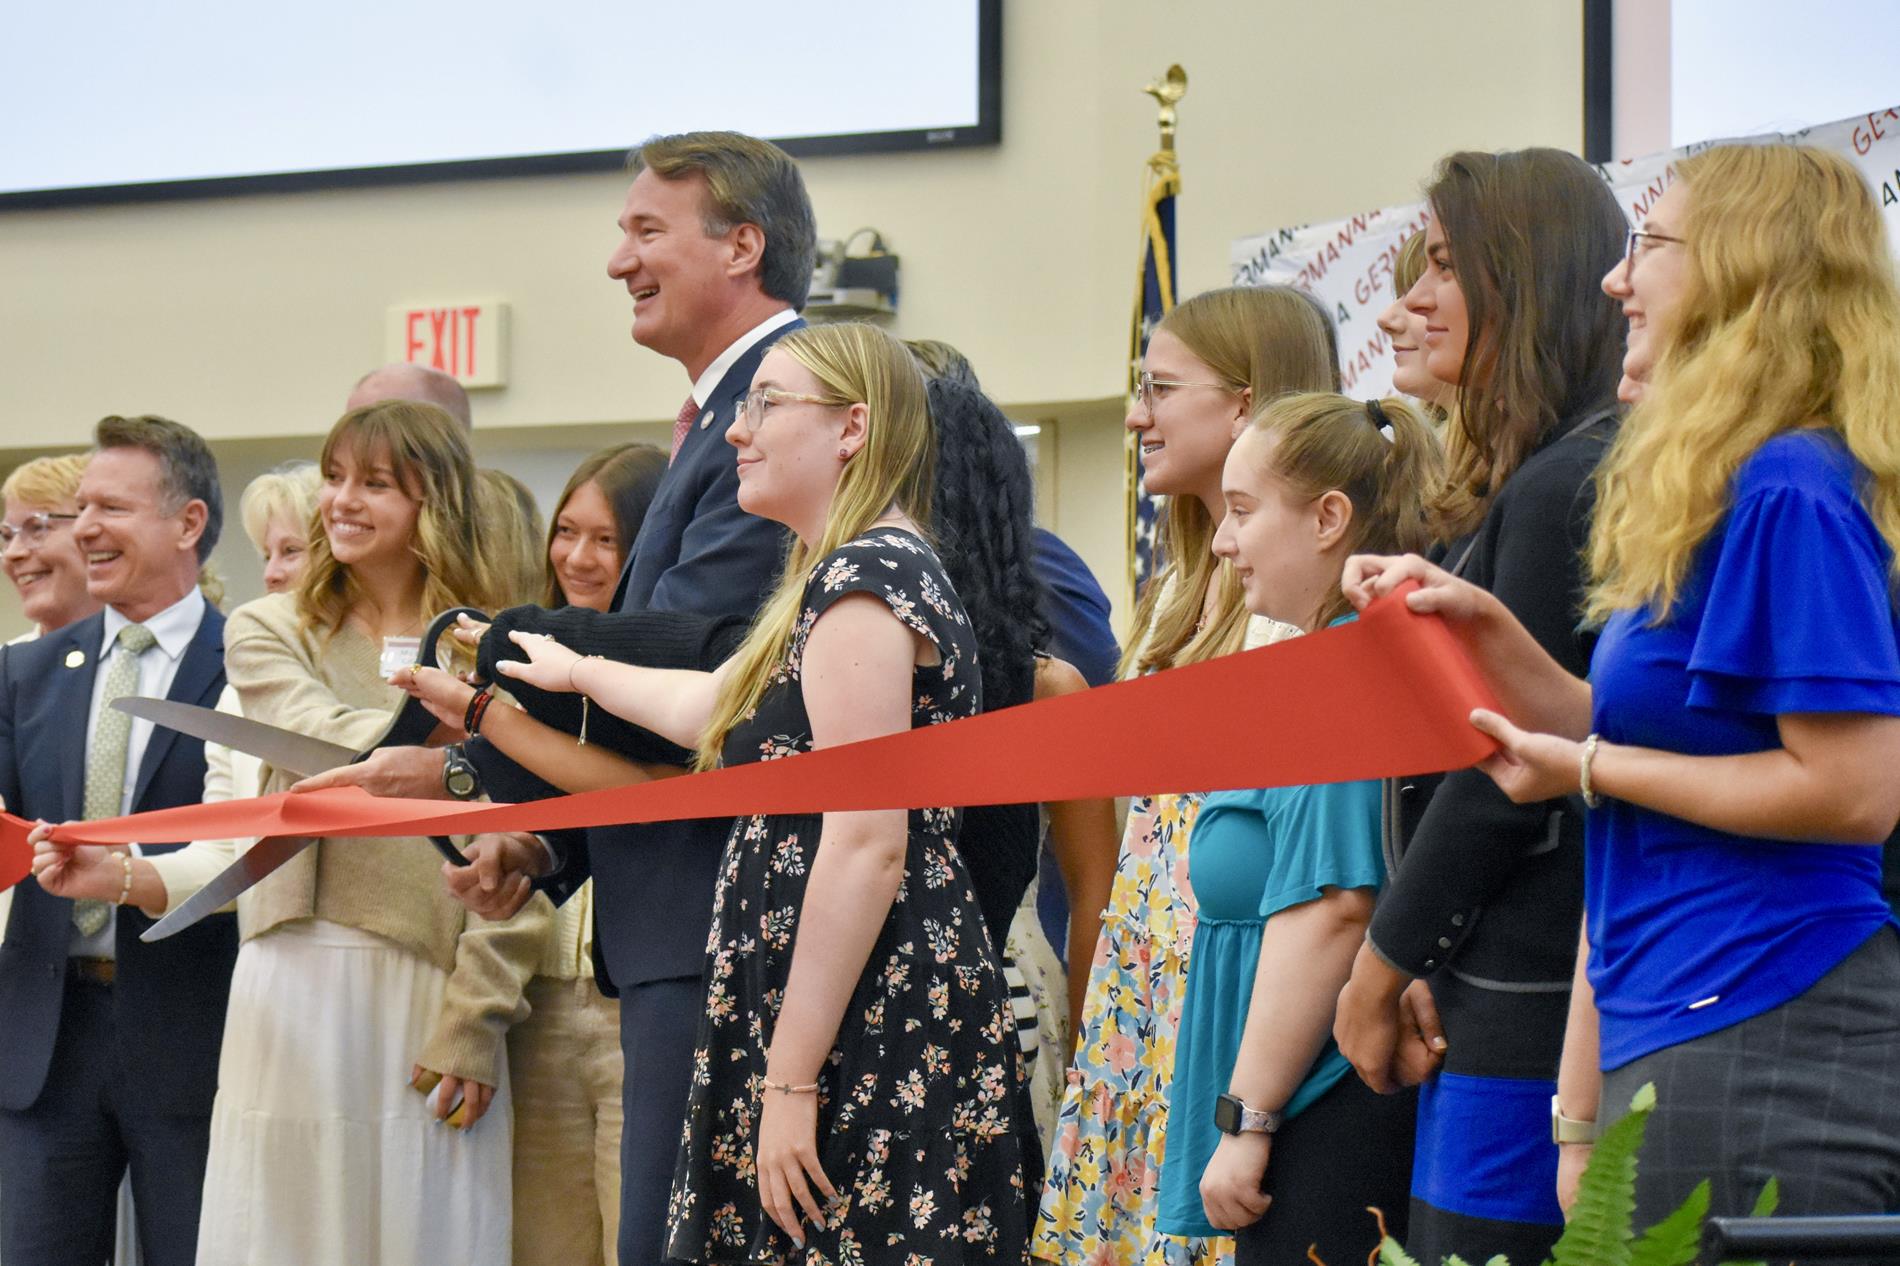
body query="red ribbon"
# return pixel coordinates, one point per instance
(1386, 695)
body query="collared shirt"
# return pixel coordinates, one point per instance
(704, 384)
(174, 627)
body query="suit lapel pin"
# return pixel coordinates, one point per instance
(705, 419)
(75, 659)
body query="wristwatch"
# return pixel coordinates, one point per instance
(1565, 1129)
(459, 778)
(1231, 1116)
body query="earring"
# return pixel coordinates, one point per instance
(844, 454)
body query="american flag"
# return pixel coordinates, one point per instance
(1154, 299)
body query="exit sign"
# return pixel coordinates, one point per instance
(463, 339)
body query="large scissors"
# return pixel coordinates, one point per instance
(288, 750)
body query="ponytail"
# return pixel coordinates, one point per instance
(1398, 522)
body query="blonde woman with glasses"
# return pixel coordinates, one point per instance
(1216, 358)
(856, 1082)
(45, 564)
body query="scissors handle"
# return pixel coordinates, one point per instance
(451, 854)
(413, 723)
(438, 628)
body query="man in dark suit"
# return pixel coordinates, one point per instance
(717, 244)
(714, 283)
(110, 1046)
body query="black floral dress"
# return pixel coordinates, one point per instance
(917, 1124)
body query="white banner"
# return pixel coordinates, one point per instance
(1347, 264)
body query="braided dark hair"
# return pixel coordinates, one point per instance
(983, 520)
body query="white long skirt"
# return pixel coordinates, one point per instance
(321, 1154)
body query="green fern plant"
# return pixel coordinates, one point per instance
(1599, 1232)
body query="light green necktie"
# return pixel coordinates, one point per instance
(105, 761)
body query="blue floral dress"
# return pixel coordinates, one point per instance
(917, 1106)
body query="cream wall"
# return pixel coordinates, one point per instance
(249, 317)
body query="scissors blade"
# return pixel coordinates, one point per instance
(283, 749)
(256, 862)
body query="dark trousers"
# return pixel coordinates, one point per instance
(1808, 1093)
(659, 1030)
(1349, 1150)
(61, 1160)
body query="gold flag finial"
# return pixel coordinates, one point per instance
(1167, 91)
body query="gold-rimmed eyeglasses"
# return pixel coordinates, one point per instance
(33, 528)
(759, 399)
(1146, 383)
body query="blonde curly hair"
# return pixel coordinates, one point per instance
(1789, 319)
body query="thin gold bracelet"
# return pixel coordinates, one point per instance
(586, 702)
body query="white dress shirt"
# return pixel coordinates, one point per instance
(704, 384)
(702, 388)
(174, 627)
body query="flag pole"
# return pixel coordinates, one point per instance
(1154, 299)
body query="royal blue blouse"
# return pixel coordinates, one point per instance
(1788, 609)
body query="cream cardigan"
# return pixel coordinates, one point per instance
(288, 675)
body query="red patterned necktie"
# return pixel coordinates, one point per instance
(681, 425)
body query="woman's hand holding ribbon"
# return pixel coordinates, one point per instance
(1461, 603)
(1529, 767)
(1533, 687)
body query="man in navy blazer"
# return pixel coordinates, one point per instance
(110, 1047)
(716, 249)
(717, 244)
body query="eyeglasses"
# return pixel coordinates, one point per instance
(1638, 242)
(33, 528)
(759, 399)
(1145, 387)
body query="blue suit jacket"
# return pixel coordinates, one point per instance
(697, 550)
(701, 558)
(1078, 610)
(169, 998)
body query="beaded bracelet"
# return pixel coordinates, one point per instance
(477, 708)
(1590, 797)
(784, 1089)
(125, 886)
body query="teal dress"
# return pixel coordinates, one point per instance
(1252, 854)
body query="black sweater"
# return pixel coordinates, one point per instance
(1488, 891)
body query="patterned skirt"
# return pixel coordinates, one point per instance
(1111, 1133)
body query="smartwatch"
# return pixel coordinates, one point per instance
(1231, 1116)
(1565, 1129)
(459, 778)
